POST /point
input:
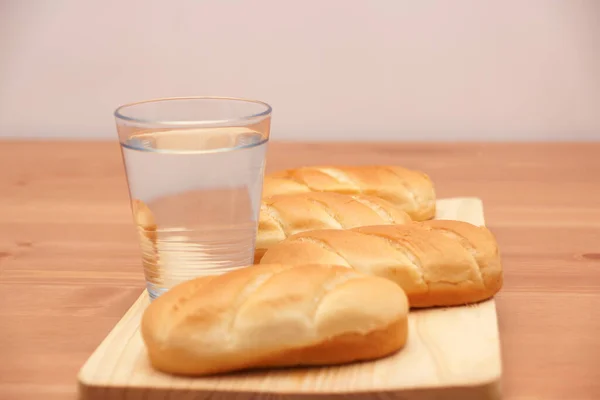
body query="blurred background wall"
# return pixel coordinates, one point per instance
(331, 69)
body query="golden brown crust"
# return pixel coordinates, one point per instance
(413, 191)
(345, 348)
(342, 349)
(437, 263)
(284, 215)
(274, 315)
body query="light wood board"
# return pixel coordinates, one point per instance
(451, 353)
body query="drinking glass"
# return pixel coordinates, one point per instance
(194, 168)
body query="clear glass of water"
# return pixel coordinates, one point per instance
(195, 168)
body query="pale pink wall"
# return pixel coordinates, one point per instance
(463, 69)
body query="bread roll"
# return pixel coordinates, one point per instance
(284, 215)
(437, 263)
(413, 191)
(274, 315)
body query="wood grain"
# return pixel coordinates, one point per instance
(70, 267)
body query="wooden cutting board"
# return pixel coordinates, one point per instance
(451, 353)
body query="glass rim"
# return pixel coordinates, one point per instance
(118, 113)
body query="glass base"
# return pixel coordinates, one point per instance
(153, 291)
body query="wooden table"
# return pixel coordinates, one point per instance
(69, 262)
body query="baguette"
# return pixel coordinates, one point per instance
(413, 191)
(274, 316)
(437, 263)
(284, 215)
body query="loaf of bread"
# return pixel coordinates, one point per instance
(437, 263)
(284, 215)
(413, 191)
(274, 316)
